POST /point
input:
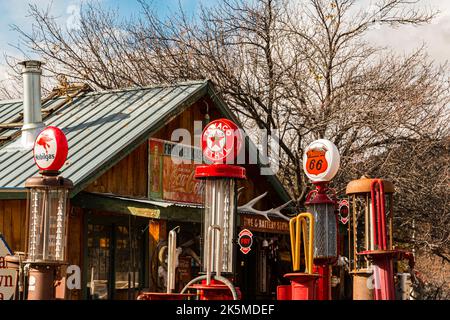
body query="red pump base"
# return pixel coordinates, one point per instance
(323, 284)
(383, 273)
(303, 287)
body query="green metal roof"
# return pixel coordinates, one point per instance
(101, 128)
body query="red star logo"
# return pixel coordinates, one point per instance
(216, 140)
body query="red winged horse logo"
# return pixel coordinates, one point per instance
(43, 141)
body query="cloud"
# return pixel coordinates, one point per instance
(405, 39)
(436, 36)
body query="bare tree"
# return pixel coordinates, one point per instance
(302, 70)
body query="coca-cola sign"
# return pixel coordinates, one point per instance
(172, 169)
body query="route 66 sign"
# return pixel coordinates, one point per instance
(221, 141)
(316, 163)
(321, 161)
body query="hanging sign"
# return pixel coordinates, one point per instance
(50, 149)
(261, 224)
(7, 276)
(245, 241)
(321, 161)
(344, 211)
(221, 141)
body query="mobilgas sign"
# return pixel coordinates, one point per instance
(50, 149)
(7, 276)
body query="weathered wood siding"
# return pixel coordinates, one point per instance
(127, 178)
(13, 223)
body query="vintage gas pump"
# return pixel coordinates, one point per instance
(221, 143)
(303, 284)
(321, 163)
(47, 206)
(371, 230)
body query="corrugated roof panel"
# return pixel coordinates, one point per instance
(98, 126)
(9, 111)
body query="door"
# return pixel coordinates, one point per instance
(115, 257)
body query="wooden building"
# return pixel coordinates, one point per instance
(128, 193)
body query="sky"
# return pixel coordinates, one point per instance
(435, 36)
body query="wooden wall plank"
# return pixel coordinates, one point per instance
(75, 246)
(8, 230)
(24, 225)
(157, 232)
(13, 223)
(127, 178)
(2, 217)
(16, 220)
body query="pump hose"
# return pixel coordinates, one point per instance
(218, 278)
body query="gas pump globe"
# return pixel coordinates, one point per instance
(321, 162)
(47, 207)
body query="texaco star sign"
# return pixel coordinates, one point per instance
(221, 140)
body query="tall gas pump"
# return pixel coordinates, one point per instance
(221, 143)
(321, 162)
(48, 215)
(371, 228)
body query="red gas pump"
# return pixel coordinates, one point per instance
(221, 143)
(373, 254)
(321, 162)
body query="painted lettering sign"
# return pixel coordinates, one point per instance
(50, 149)
(7, 276)
(179, 183)
(260, 224)
(172, 169)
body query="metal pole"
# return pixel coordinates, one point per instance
(209, 253)
(171, 259)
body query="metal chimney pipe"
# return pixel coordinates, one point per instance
(32, 114)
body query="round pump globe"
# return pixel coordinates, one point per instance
(50, 149)
(321, 161)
